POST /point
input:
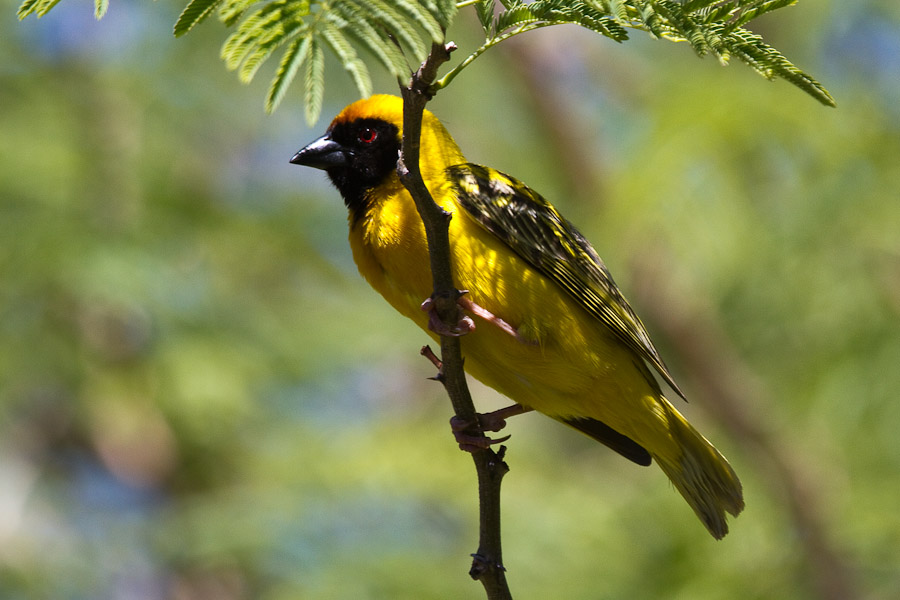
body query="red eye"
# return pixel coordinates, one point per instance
(367, 135)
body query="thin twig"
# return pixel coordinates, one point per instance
(487, 564)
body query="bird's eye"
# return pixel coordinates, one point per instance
(367, 135)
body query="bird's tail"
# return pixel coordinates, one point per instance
(699, 472)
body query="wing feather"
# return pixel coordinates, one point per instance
(536, 231)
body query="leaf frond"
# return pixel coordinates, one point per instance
(37, 7)
(259, 28)
(514, 17)
(757, 9)
(232, 10)
(396, 25)
(195, 12)
(376, 41)
(398, 33)
(100, 8)
(264, 49)
(713, 27)
(394, 32)
(750, 48)
(485, 11)
(26, 8)
(422, 17)
(290, 63)
(314, 83)
(357, 69)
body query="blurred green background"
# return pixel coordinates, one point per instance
(200, 398)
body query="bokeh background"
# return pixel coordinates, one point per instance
(201, 399)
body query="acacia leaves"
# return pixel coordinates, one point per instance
(39, 8)
(398, 34)
(709, 26)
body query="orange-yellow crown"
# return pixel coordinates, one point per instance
(380, 106)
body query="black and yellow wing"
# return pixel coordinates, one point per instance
(536, 231)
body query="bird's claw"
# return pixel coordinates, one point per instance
(471, 442)
(463, 326)
(466, 324)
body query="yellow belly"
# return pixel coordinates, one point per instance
(565, 363)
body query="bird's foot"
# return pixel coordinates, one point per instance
(466, 324)
(463, 326)
(478, 311)
(470, 435)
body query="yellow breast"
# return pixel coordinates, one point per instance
(562, 356)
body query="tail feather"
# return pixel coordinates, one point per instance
(701, 474)
(605, 434)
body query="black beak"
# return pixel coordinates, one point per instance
(324, 153)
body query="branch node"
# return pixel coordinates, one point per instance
(428, 353)
(421, 81)
(482, 565)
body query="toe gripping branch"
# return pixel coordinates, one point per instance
(470, 436)
(464, 325)
(469, 433)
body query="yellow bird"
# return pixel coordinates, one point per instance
(554, 333)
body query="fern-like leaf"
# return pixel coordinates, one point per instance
(396, 24)
(100, 8)
(750, 48)
(375, 41)
(290, 63)
(658, 26)
(357, 69)
(264, 49)
(193, 13)
(709, 26)
(254, 30)
(514, 17)
(617, 9)
(314, 83)
(38, 7)
(596, 18)
(422, 17)
(43, 10)
(442, 10)
(25, 9)
(485, 11)
(761, 8)
(696, 5)
(393, 31)
(232, 10)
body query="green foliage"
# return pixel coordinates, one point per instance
(193, 13)
(710, 27)
(38, 7)
(395, 33)
(398, 34)
(201, 398)
(522, 16)
(42, 7)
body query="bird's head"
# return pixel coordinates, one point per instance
(359, 151)
(360, 148)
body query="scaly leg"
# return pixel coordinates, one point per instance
(493, 421)
(466, 324)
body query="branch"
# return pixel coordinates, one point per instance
(487, 564)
